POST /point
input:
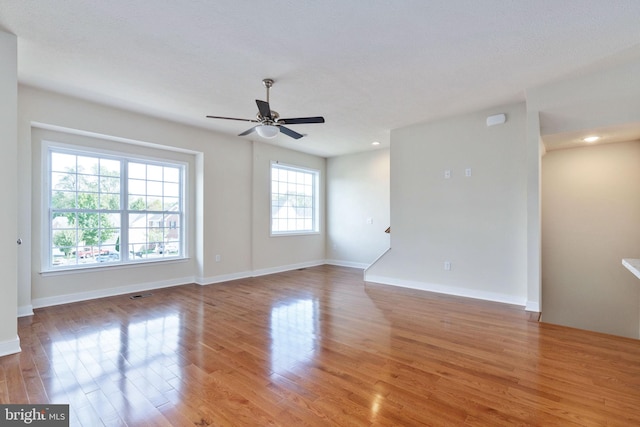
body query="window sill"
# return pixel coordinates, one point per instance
(295, 233)
(108, 266)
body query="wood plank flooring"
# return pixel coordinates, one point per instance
(317, 347)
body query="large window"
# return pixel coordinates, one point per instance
(294, 200)
(112, 209)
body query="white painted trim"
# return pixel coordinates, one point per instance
(633, 265)
(106, 137)
(109, 292)
(340, 263)
(375, 261)
(533, 306)
(10, 347)
(282, 268)
(203, 281)
(104, 293)
(430, 287)
(25, 310)
(448, 290)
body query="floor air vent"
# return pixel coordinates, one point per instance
(140, 296)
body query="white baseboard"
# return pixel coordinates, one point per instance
(533, 306)
(223, 278)
(283, 268)
(10, 347)
(272, 270)
(447, 290)
(340, 263)
(25, 310)
(103, 293)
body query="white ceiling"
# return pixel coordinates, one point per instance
(367, 66)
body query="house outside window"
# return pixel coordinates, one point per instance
(294, 200)
(106, 209)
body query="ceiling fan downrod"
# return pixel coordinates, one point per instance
(267, 83)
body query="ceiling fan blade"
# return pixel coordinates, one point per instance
(293, 134)
(263, 107)
(248, 131)
(301, 120)
(232, 118)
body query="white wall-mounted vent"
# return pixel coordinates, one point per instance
(496, 119)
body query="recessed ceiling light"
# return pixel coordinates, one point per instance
(375, 143)
(591, 138)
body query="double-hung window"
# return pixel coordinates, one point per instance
(294, 200)
(106, 208)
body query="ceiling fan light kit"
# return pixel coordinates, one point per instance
(267, 131)
(269, 121)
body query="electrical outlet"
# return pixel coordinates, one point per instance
(467, 172)
(218, 258)
(447, 265)
(447, 174)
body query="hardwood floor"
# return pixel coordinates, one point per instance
(317, 347)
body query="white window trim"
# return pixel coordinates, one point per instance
(78, 149)
(316, 201)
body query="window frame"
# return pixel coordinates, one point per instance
(315, 173)
(49, 147)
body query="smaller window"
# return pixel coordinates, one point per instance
(294, 200)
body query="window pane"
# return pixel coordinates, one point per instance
(87, 200)
(63, 200)
(154, 188)
(137, 186)
(63, 181)
(110, 184)
(110, 167)
(137, 221)
(137, 170)
(171, 174)
(87, 183)
(87, 165)
(171, 203)
(171, 189)
(154, 203)
(137, 203)
(63, 162)
(110, 201)
(154, 172)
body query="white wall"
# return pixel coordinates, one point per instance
(590, 222)
(230, 189)
(9, 341)
(358, 189)
(477, 223)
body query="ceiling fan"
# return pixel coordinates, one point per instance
(269, 121)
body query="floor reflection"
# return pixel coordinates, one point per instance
(107, 369)
(294, 333)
